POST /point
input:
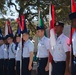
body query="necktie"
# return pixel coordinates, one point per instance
(16, 46)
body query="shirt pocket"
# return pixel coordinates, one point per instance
(43, 46)
(59, 45)
(26, 47)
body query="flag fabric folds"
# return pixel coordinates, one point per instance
(51, 24)
(41, 22)
(21, 22)
(8, 28)
(52, 33)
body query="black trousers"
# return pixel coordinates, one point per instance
(74, 69)
(1, 66)
(11, 67)
(74, 66)
(6, 67)
(41, 66)
(18, 67)
(25, 64)
(58, 68)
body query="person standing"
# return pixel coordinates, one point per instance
(28, 49)
(72, 17)
(1, 55)
(11, 54)
(43, 51)
(60, 52)
(18, 53)
(5, 57)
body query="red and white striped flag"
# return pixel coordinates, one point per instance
(52, 33)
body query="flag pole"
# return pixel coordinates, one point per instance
(50, 65)
(22, 28)
(21, 25)
(71, 38)
(6, 29)
(21, 55)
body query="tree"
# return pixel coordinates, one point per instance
(62, 10)
(30, 9)
(3, 8)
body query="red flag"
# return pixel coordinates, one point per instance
(21, 22)
(18, 21)
(23, 19)
(73, 5)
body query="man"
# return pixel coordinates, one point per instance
(60, 52)
(43, 52)
(1, 55)
(18, 53)
(28, 49)
(5, 57)
(11, 54)
(72, 17)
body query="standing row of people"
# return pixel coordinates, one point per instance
(60, 52)
(9, 52)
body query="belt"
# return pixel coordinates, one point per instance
(58, 61)
(26, 58)
(1, 59)
(42, 58)
(12, 59)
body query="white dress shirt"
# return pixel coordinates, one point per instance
(27, 48)
(43, 47)
(18, 53)
(12, 51)
(60, 49)
(2, 52)
(5, 52)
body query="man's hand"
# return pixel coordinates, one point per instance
(47, 68)
(30, 67)
(67, 72)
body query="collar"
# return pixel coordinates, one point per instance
(60, 36)
(27, 41)
(11, 44)
(42, 38)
